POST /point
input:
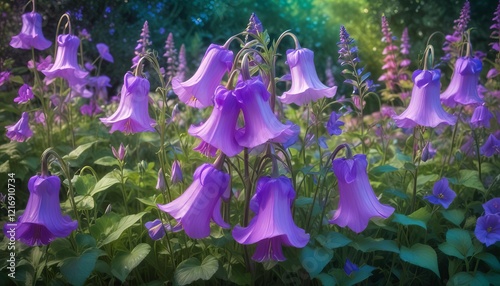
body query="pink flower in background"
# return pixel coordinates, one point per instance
(31, 35)
(21, 130)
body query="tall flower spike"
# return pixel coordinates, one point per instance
(254, 25)
(198, 91)
(132, 115)
(66, 63)
(182, 68)
(357, 202)
(200, 203)
(405, 49)
(171, 56)
(441, 194)
(425, 108)
(450, 46)
(142, 45)
(21, 130)
(390, 77)
(261, 125)
(42, 220)
(220, 128)
(31, 35)
(330, 80)
(273, 225)
(306, 86)
(463, 84)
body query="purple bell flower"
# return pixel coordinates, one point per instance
(42, 220)
(132, 115)
(220, 128)
(176, 174)
(200, 203)
(103, 50)
(21, 130)
(198, 91)
(31, 35)
(491, 146)
(306, 86)
(24, 94)
(441, 194)
(273, 225)
(463, 84)
(357, 202)
(492, 206)
(428, 152)
(333, 124)
(156, 229)
(261, 124)
(160, 182)
(66, 63)
(487, 229)
(481, 117)
(425, 108)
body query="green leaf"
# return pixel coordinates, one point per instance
(77, 269)
(362, 274)
(421, 255)
(464, 278)
(327, 279)
(106, 161)
(75, 154)
(405, 220)
(104, 183)
(83, 184)
(470, 178)
(84, 202)
(110, 227)
(333, 240)
(489, 259)
(379, 170)
(368, 244)
(315, 259)
(123, 263)
(191, 270)
(458, 243)
(85, 241)
(454, 216)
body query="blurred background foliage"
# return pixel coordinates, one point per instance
(198, 23)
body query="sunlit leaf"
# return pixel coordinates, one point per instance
(421, 255)
(192, 269)
(123, 263)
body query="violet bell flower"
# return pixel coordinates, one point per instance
(42, 220)
(357, 201)
(66, 63)
(31, 35)
(441, 194)
(481, 117)
(261, 124)
(20, 131)
(176, 172)
(425, 108)
(132, 115)
(463, 85)
(198, 91)
(333, 124)
(492, 206)
(219, 129)
(491, 146)
(306, 86)
(24, 94)
(273, 225)
(103, 50)
(200, 202)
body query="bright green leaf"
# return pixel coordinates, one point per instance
(84, 202)
(104, 183)
(458, 243)
(333, 240)
(454, 216)
(404, 220)
(422, 214)
(124, 262)
(110, 227)
(106, 161)
(77, 269)
(315, 259)
(192, 269)
(470, 178)
(83, 184)
(383, 169)
(368, 244)
(421, 255)
(75, 154)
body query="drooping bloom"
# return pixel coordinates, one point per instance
(160, 182)
(31, 35)
(487, 229)
(428, 152)
(350, 267)
(66, 63)
(261, 124)
(463, 84)
(198, 91)
(357, 201)
(42, 220)
(24, 94)
(306, 86)
(441, 194)
(451, 45)
(491, 146)
(481, 117)
(21, 130)
(200, 203)
(273, 225)
(425, 108)
(156, 229)
(492, 206)
(132, 115)
(219, 129)
(103, 50)
(333, 124)
(176, 174)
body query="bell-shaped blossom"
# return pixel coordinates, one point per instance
(31, 35)
(428, 152)
(487, 229)
(425, 108)
(132, 115)
(160, 182)
(220, 128)
(481, 117)
(100, 85)
(333, 124)
(90, 109)
(491, 146)
(261, 124)
(21, 130)
(156, 229)
(463, 84)
(441, 194)
(42, 220)
(176, 173)
(306, 86)
(206, 149)
(24, 94)
(357, 201)
(492, 206)
(104, 53)
(273, 225)
(198, 91)
(66, 63)
(200, 203)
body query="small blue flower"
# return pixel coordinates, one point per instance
(441, 194)
(333, 124)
